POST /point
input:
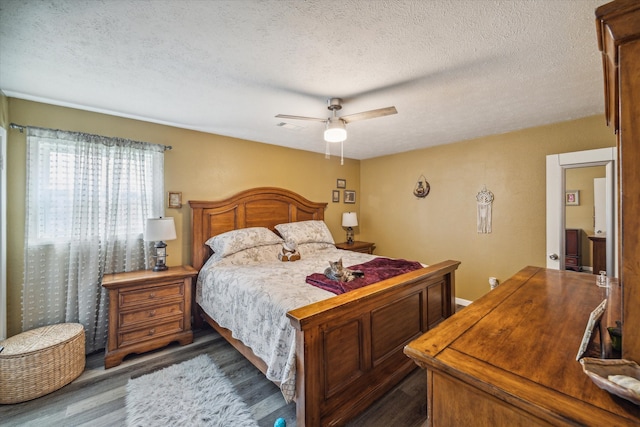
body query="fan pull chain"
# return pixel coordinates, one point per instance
(341, 153)
(327, 155)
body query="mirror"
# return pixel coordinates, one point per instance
(584, 220)
(557, 200)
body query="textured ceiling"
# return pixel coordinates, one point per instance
(454, 69)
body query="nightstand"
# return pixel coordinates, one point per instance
(356, 246)
(147, 310)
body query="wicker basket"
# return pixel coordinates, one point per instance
(40, 361)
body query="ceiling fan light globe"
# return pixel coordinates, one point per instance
(335, 131)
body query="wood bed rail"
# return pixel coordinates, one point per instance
(352, 344)
(308, 316)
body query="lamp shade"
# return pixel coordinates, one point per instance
(349, 219)
(335, 131)
(160, 229)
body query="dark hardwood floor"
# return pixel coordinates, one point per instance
(97, 397)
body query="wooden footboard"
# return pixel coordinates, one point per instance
(350, 347)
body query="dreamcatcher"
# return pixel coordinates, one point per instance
(484, 199)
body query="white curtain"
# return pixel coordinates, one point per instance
(88, 198)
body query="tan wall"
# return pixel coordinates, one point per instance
(443, 225)
(201, 166)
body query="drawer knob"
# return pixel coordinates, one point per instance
(152, 313)
(152, 331)
(152, 295)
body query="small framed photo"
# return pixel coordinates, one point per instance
(341, 183)
(174, 199)
(349, 196)
(594, 320)
(335, 196)
(572, 198)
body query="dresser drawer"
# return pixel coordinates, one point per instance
(156, 313)
(571, 261)
(151, 295)
(150, 332)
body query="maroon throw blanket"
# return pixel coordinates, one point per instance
(374, 271)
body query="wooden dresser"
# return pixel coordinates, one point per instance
(148, 310)
(618, 28)
(509, 359)
(599, 253)
(573, 249)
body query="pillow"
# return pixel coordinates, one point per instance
(256, 255)
(311, 231)
(244, 238)
(309, 248)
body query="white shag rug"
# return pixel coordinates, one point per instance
(191, 393)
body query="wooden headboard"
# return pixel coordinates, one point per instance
(256, 207)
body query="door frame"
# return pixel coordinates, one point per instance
(556, 182)
(3, 233)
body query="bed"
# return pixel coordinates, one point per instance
(347, 349)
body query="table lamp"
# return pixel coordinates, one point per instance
(158, 230)
(349, 220)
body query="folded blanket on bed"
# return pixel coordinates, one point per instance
(374, 271)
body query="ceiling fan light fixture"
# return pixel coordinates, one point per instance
(335, 131)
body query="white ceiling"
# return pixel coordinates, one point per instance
(454, 69)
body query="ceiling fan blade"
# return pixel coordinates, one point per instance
(286, 116)
(371, 114)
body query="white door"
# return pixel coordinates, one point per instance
(556, 166)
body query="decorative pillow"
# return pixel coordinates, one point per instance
(244, 238)
(311, 231)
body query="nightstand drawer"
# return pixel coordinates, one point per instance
(130, 318)
(150, 332)
(151, 295)
(362, 250)
(356, 246)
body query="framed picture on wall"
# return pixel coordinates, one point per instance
(174, 199)
(572, 198)
(349, 196)
(341, 183)
(335, 196)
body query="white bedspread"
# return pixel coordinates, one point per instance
(250, 293)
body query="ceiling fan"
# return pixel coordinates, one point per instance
(336, 130)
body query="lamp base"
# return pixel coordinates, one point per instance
(349, 236)
(161, 257)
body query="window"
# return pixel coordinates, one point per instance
(88, 198)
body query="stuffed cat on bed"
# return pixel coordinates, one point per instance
(289, 252)
(336, 271)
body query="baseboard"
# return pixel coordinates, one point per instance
(465, 302)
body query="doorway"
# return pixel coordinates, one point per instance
(557, 203)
